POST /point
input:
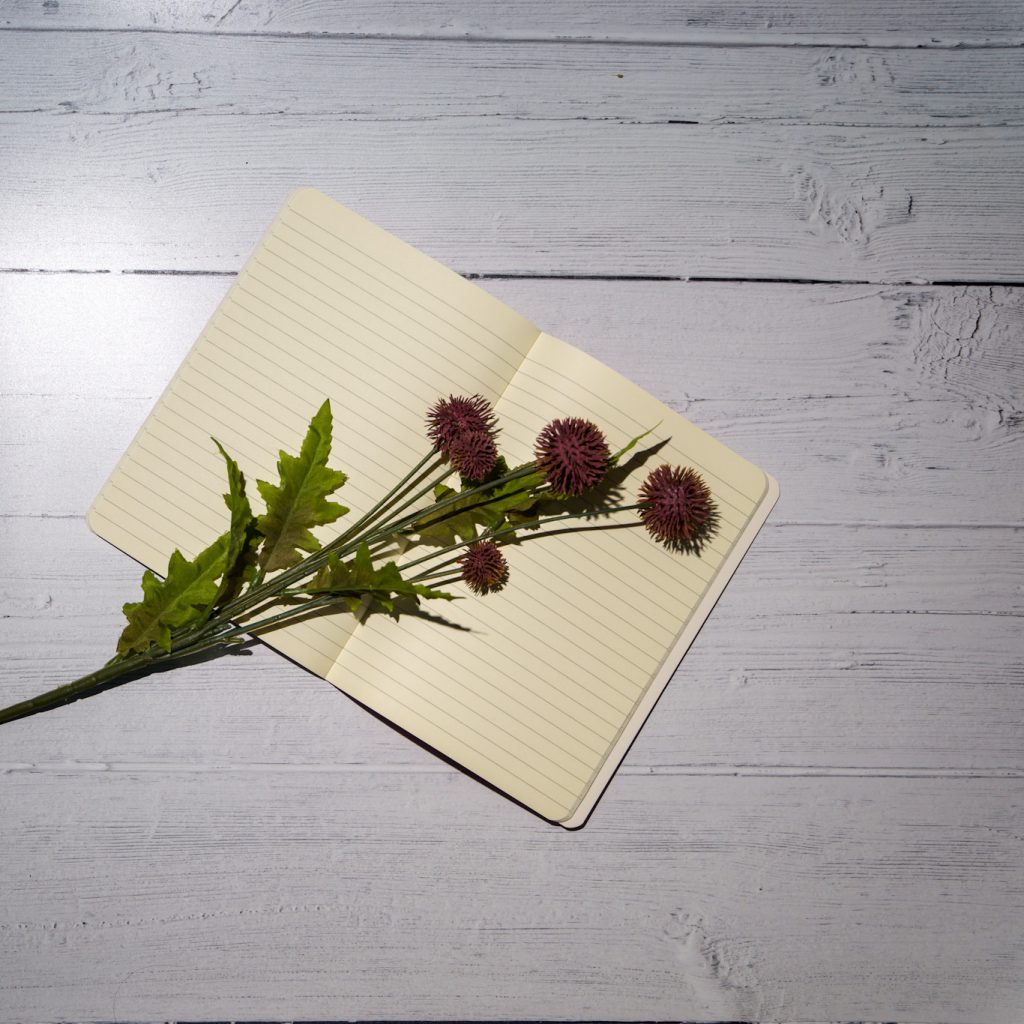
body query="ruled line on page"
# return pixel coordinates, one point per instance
(501, 738)
(352, 353)
(629, 404)
(522, 437)
(725, 473)
(337, 385)
(353, 286)
(347, 244)
(338, 458)
(460, 738)
(428, 367)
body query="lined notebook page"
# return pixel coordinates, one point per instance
(535, 696)
(328, 306)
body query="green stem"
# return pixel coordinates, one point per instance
(527, 524)
(82, 687)
(428, 516)
(313, 562)
(437, 584)
(395, 494)
(423, 491)
(124, 667)
(203, 644)
(435, 570)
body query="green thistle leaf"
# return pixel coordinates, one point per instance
(358, 578)
(484, 511)
(184, 597)
(517, 495)
(243, 535)
(456, 522)
(300, 501)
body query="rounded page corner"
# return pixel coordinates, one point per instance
(771, 491)
(91, 521)
(306, 193)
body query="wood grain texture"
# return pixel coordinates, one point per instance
(912, 23)
(285, 895)
(420, 80)
(495, 196)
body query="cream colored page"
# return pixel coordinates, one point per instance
(328, 306)
(534, 695)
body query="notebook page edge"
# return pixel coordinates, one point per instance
(287, 645)
(673, 658)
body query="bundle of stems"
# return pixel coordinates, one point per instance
(270, 570)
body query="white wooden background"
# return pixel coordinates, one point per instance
(801, 224)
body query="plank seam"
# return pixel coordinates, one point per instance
(724, 41)
(344, 117)
(509, 276)
(688, 771)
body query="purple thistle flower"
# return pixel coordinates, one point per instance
(678, 508)
(484, 567)
(573, 455)
(455, 415)
(473, 453)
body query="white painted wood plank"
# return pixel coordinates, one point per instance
(489, 196)
(123, 335)
(411, 80)
(885, 650)
(911, 23)
(870, 405)
(284, 895)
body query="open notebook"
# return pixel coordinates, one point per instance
(548, 687)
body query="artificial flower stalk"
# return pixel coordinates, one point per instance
(270, 570)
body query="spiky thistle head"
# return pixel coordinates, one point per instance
(449, 418)
(474, 454)
(678, 509)
(484, 567)
(573, 455)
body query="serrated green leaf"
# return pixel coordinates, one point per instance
(300, 502)
(184, 597)
(484, 511)
(360, 577)
(445, 532)
(244, 537)
(421, 590)
(517, 495)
